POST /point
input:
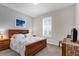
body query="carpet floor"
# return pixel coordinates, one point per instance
(50, 50)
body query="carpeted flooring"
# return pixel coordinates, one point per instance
(50, 50)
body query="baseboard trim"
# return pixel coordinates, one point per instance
(51, 43)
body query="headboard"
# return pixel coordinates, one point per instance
(11, 32)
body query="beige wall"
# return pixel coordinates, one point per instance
(77, 18)
(62, 23)
(8, 17)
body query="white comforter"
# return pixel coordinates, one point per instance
(19, 45)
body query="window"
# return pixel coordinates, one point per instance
(47, 26)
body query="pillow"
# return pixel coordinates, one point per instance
(18, 36)
(28, 35)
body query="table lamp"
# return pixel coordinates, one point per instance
(1, 35)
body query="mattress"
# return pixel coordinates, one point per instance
(19, 45)
(33, 40)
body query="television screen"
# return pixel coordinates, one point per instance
(74, 34)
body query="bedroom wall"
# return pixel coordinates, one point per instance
(77, 18)
(8, 17)
(62, 23)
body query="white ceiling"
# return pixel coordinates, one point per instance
(36, 10)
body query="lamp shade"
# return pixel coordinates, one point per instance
(1, 33)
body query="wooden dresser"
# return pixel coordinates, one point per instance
(70, 48)
(4, 44)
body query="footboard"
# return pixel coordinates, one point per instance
(32, 49)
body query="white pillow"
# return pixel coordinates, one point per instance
(18, 36)
(28, 35)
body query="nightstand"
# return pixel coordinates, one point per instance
(4, 44)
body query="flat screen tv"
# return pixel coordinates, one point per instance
(74, 34)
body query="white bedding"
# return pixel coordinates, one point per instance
(19, 45)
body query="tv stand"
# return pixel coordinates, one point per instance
(70, 48)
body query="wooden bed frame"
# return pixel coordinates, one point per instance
(33, 48)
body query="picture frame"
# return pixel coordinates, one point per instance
(20, 23)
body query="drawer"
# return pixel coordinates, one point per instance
(4, 42)
(3, 47)
(69, 50)
(76, 51)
